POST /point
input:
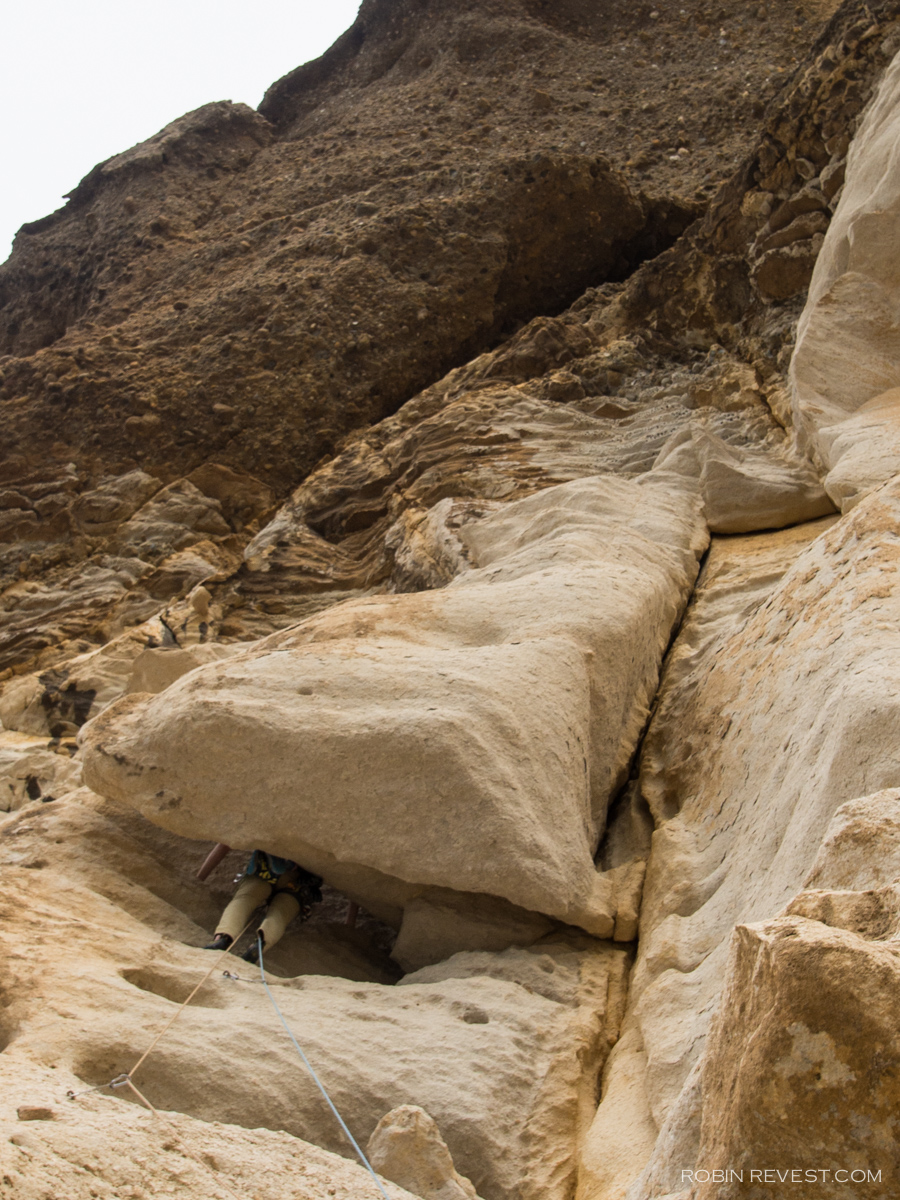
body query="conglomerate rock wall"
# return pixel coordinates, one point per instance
(475, 476)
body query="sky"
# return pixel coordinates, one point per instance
(83, 81)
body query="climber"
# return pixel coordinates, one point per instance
(283, 886)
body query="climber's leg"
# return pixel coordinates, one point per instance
(251, 893)
(281, 911)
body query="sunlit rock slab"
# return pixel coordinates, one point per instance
(844, 371)
(467, 738)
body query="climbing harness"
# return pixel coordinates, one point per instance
(350, 1138)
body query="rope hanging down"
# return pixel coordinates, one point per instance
(351, 1139)
(165, 1029)
(127, 1081)
(121, 1080)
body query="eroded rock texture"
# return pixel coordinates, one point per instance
(844, 372)
(245, 289)
(407, 1144)
(503, 1056)
(419, 737)
(418, 478)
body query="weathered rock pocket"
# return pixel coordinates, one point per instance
(572, 667)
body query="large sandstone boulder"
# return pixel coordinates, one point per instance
(468, 738)
(864, 449)
(385, 513)
(252, 291)
(798, 1071)
(844, 370)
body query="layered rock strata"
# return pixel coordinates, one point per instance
(744, 780)
(68, 586)
(466, 738)
(247, 286)
(243, 289)
(267, 669)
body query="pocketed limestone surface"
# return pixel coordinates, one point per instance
(359, 456)
(102, 922)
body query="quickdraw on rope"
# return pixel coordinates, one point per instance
(126, 1080)
(121, 1080)
(165, 1029)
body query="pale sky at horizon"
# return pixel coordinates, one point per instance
(82, 82)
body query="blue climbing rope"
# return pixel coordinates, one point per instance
(352, 1140)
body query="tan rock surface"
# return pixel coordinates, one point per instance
(146, 658)
(101, 918)
(567, 970)
(441, 923)
(623, 1133)
(407, 1145)
(260, 317)
(385, 514)
(35, 768)
(806, 1026)
(862, 847)
(844, 370)
(563, 578)
(737, 578)
(744, 490)
(96, 1145)
(149, 547)
(740, 820)
(864, 449)
(277, 281)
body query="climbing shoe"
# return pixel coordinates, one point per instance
(251, 954)
(220, 942)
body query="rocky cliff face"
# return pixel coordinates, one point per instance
(473, 475)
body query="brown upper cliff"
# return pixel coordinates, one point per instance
(248, 287)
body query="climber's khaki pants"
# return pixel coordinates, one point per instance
(251, 893)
